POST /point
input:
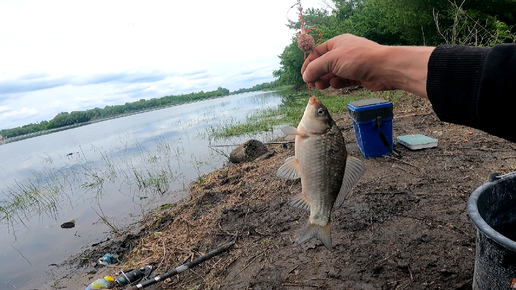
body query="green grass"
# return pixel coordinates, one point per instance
(291, 110)
(150, 172)
(28, 199)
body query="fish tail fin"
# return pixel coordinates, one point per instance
(317, 231)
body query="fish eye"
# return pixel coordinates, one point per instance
(320, 111)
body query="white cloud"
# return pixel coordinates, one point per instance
(14, 115)
(61, 55)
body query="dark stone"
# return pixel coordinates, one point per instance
(247, 151)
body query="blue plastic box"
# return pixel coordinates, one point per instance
(366, 114)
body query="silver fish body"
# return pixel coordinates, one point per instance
(327, 172)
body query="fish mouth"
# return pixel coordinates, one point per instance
(314, 101)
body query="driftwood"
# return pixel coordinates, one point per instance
(247, 151)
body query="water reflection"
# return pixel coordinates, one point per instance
(105, 175)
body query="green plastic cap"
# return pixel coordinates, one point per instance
(109, 279)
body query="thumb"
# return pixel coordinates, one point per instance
(318, 68)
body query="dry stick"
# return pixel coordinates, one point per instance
(183, 267)
(22, 255)
(408, 163)
(248, 264)
(300, 285)
(267, 143)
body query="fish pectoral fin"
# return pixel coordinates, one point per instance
(290, 169)
(289, 130)
(290, 138)
(355, 168)
(316, 231)
(300, 201)
(291, 133)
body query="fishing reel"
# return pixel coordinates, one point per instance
(132, 276)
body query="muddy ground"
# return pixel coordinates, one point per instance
(405, 225)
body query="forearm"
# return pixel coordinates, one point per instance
(403, 68)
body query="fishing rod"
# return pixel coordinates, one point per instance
(183, 267)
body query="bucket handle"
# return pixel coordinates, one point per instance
(496, 176)
(384, 139)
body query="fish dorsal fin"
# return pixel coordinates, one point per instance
(290, 170)
(355, 168)
(300, 201)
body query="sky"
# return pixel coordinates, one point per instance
(71, 55)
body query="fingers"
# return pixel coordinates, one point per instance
(321, 68)
(328, 64)
(317, 52)
(339, 83)
(331, 80)
(320, 84)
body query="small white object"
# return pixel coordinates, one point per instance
(417, 141)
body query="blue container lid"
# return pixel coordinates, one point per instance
(369, 109)
(369, 104)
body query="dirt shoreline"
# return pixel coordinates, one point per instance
(405, 225)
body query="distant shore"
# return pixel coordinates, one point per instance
(4, 140)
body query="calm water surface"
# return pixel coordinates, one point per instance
(110, 171)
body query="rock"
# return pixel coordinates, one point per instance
(247, 151)
(68, 225)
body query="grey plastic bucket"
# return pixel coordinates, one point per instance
(492, 207)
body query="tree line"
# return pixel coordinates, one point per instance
(66, 119)
(404, 22)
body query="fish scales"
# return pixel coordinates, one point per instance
(322, 159)
(327, 172)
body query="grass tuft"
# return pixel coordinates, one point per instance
(289, 112)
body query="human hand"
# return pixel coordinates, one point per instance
(348, 60)
(340, 62)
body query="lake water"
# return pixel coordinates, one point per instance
(105, 176)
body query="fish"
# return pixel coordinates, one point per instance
(326, 170)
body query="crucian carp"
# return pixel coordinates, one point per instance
(327, 172)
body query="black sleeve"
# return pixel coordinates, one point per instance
(475, 87)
